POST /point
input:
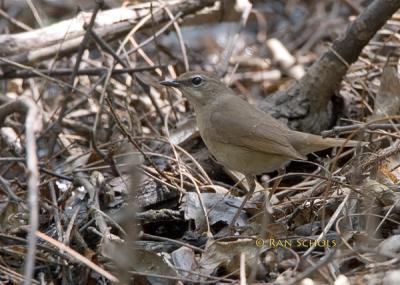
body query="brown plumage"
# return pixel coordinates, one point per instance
(239, 135)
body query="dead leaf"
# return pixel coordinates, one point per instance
(220, 207)
(227, 254)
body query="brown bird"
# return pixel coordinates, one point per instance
(240, 136)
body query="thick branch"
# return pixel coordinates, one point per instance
(66, 36)
(307, 104)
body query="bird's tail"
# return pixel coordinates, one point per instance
(307, 143)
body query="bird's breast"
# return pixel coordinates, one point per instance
(235, 157)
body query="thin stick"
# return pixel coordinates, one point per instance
(252, 184)
(329, 225)
(77, 256)
(242, 269)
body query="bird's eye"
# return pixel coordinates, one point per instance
(196, 81)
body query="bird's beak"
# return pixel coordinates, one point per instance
(170, 83)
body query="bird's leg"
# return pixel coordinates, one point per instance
(267, 205)
(281, 173)
(252, 186)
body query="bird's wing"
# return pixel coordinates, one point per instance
(236, 122)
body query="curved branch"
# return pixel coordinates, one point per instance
(307, 104)
(33, 124)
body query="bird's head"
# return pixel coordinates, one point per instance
(200, 88)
